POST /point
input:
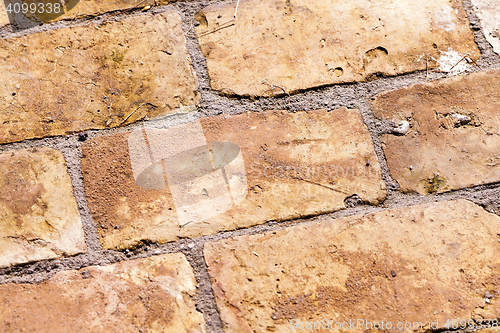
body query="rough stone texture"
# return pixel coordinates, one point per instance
(297, 164)
(409, 264)
(276, 47)
(143, 295)
(39, 217)
(489, 13)
(96, 7)
(74, 9)
(441, 152)
(4, 18)
(78, 78)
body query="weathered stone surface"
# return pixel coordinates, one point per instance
(71, 9)
(489, 14)
(277, 47)
(92, 76)
(452, 141)
(96, 7)
(297, 164)
(411, 264)
(4, 18)
(39, 217)
(144, 295)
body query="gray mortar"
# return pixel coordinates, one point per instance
(353, 95)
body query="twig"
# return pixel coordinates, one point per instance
(319, 184)
(128, 9)
(126, 118)
(224, 25)
(465, 57)
(272, 87)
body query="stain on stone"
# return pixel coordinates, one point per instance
(117, 56)
(112, 190)
(434, 184)
(17, 192)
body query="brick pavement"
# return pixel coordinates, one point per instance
(251, 166)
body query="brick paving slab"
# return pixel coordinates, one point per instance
(297, 164)
(39, 217)
(452, 141)
(144, 295)
(73, 9)
(408, 264)
(93, 77)
(277, 47)
(96, 7)
(78, 9)
(489, 14)
(4, 18)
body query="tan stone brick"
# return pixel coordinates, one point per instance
(287, 46)
(93, 77)
(489, 14)
(411, 264)
(39, 217)
(96, 7)
(452, 141)
(74, 9)
(297, 164)
(143, 295)
(4, 18)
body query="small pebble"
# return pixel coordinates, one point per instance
(191, 245)
(402, 128)
(82, 136)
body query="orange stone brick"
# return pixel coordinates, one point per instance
(280, 47)
(413, 264)
(452, 138)
(69, 10)
(143, 295)
(94, 76)
(39, 218)
(294, 165)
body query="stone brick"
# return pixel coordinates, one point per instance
(4, 18)
(75, 9)
(39, 217)
(452, 141)
(93, 76)
(489, 14)
(144, 295)
(96, 7)
(411, 264)
(278, 47)
(297, 164)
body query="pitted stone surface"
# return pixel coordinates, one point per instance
(93, 77)
(489, 14)
(96, 7)
(143, 295)
(39, 218)
(297, 165)
(452, 141)
(411, 264)
(280, 46)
